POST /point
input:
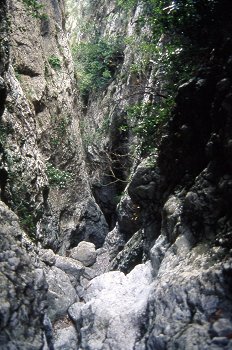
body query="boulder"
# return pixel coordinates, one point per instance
(69, 266)
(61, 293)
(47, 256)
(85, 252)
(66, 339)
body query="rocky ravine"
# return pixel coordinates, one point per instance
(162, 277)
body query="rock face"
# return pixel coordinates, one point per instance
(40, 131)
(92, 226)
(186, 304)
(23, 286)
(105, 131)
(115, 309)
(22, 289)
(39, 136)
(89, 259)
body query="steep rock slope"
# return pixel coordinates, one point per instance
(119, 79)
(180, 202)
(23, 288)
(42, 149)
(42, 176)
(186, 229)
(47, 143)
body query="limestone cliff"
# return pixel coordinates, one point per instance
(42, 148)
(43, 175)
(113, 238)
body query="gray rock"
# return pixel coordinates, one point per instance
(115, 307)
(129, 216)
(89, 273)
(80, 291)
(22, 289)
(223, 85)
(171, 214)
(48, 330)
(92, 226)
(61, 293)
(185, 301)
(144, 185)
(114, 242)
(131, 255)
(66, 339)
(85, 252)
(103, 260)
(157, 253)
(84, 282)
(222, 328)
(69, 266)
(220, 341)
(75, 311)
(47, 256)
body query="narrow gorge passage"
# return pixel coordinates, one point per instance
(115, 175)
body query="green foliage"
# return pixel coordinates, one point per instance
(147, 119)
(54, 62)
(59, 129)
(35, 9)
(105, 125)
(181, 37)
(19, 190)
(127, 5)
(26, 217)
(189, 30)
(96, 63)
(57, 177)
(117, 198)
(20, 201)
(200, 22)
(196, 21)
(18, 75)
(143, 49)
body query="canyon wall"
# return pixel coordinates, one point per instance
(107, 243)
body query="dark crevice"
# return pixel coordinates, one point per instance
(25, 70)
(3, 183)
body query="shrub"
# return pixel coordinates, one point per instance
(96, 63)
(146, 120)
(54, 62)
(191, 29)
(127, 5)
(177, 46)
(35, 8)
(27, 218)
(20, 201)
(57, 177)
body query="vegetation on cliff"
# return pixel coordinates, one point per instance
(96, 62)
(175, 36)
(181, 38)
(35, 8)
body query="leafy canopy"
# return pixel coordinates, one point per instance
(96, 63)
